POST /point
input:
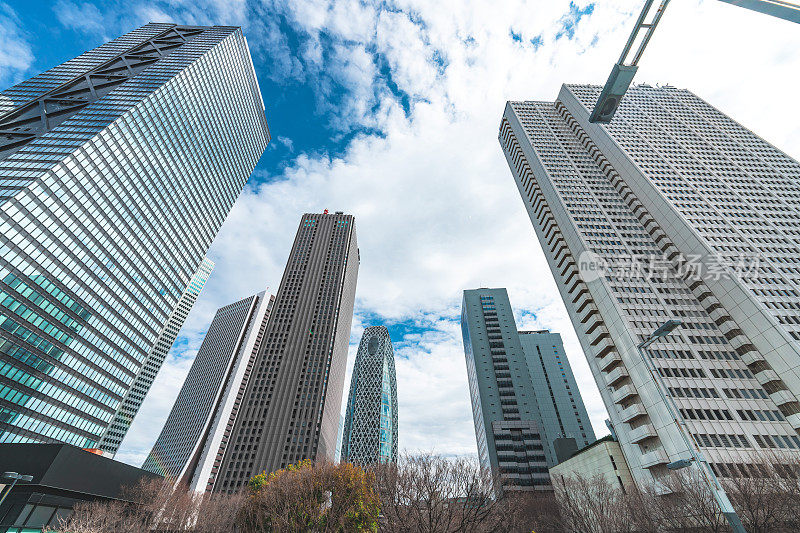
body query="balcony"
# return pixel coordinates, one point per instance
(608, 360)
(616, 375)
(582, 301)
(794, 420)
(766, 376)
(662, 490)
(654, 458)
(590, 329)
(641, 433)
(752, 357)
(603, 347)
(730, 330)
(718, 314)
(632, 412)
(782, 396)
(591, 314)
(624, 392)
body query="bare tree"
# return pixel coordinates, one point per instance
(532, 511)
(155, 505)
(590, 504)
(768, 497)
(432, 494)
(765, 494)
(217, 512)
(681, 502)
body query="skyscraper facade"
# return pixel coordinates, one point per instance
(158, 353)
(565, 422)
(508, 428)
(622, 212)
(292, 404)
(117, 169)
(370, 426)
(198, 427)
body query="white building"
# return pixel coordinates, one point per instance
(197, 431)
(603, 457)
(672, 211)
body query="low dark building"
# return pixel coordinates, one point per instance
(63, 475)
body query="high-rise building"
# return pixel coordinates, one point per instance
(291, 408)
(370, 427)
(565, 422)
(629, 215)
(117, 169)
(158, 353)
(508, 428)
(198, 427)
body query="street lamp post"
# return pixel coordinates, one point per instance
(15, 477)
(697, 456)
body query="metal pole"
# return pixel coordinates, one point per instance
(777, 8)
(9, 490)
(632, 36)
(708, 473)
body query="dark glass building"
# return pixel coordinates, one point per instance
(565, 423)
(117, 169)
(291, 408)
(370, 427)
(508, 427)
(63, 476)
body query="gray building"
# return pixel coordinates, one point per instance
(601, 458)
(646, 219)
(117, 168)
(370, 427)
(292, 404)
(565, 422)
(197, 429)
(508, 428)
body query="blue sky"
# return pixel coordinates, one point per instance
(389, 109)
(303, 101)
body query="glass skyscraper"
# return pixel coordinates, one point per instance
(370, 426)
(672, 211)
(117, 169)
(158, 353)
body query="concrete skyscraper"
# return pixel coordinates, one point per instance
(370, 427)
(558, 399)
(197, 430)
(117, 168)
(508, 428)
(292, 405)
(671, 211)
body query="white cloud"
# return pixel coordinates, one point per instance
(16, 56)
(80, 16)
(436, 208)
